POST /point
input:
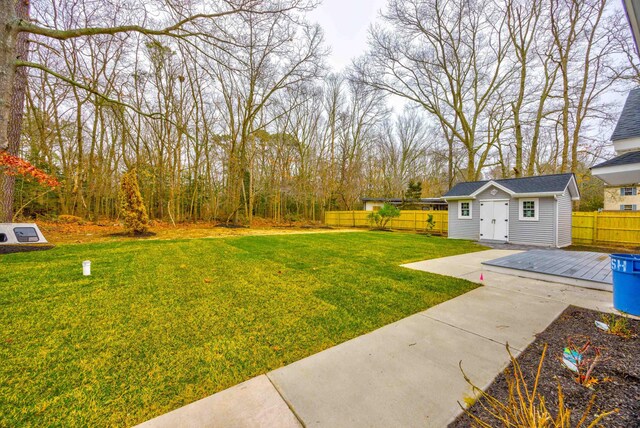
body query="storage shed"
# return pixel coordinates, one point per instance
(530, 210)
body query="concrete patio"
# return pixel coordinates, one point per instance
(406, 373)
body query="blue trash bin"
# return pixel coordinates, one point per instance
(626, 282)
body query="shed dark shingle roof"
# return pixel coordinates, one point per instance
(625, 159)
(628, 125)
(539, 184)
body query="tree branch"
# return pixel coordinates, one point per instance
(172, 30)
(157, 116)
(22, 25)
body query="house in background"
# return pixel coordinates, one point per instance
(425, 204)
(622, 173)
(530, 210)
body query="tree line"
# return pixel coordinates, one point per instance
(233, 113)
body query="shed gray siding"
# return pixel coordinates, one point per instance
(565, 209)
(468, 228)
(541, 232)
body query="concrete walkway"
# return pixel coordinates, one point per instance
(406, 373)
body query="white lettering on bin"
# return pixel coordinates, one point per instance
(619, 265)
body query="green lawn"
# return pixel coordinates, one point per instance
(163, 323)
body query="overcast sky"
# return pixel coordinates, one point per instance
(345, 24)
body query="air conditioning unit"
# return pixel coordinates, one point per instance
(20, 233)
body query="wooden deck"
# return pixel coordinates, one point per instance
(579, 265)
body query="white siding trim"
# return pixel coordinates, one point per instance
(490, 184)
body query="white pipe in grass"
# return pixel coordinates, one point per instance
(86, 268)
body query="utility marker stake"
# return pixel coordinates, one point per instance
(86, 268)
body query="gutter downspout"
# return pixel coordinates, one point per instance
(555, 198)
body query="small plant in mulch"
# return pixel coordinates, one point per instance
(581, 356)
(617, 325)
(524, 405)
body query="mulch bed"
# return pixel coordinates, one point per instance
(618, 374)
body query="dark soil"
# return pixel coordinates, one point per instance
(618, 374)
(136, 235)
(9, 249)
(231, 226)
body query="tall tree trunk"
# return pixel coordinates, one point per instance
(564, 165)
(13, 85)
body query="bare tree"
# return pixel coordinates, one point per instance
(449, 58)
(16, 27)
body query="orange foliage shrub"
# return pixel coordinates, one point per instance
(13, 165)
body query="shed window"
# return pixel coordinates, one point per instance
(464, 209)
(26, 234)
(628, 191)
(529, 209)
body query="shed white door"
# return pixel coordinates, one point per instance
(494, 220)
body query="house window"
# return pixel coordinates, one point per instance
(529, 209)
(628, 191)
(628, 207)
(3, 237)
(464, 209)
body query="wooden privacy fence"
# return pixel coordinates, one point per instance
(409, 219)
(588, 228)
(608, 227)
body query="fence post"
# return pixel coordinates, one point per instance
(594, 232)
